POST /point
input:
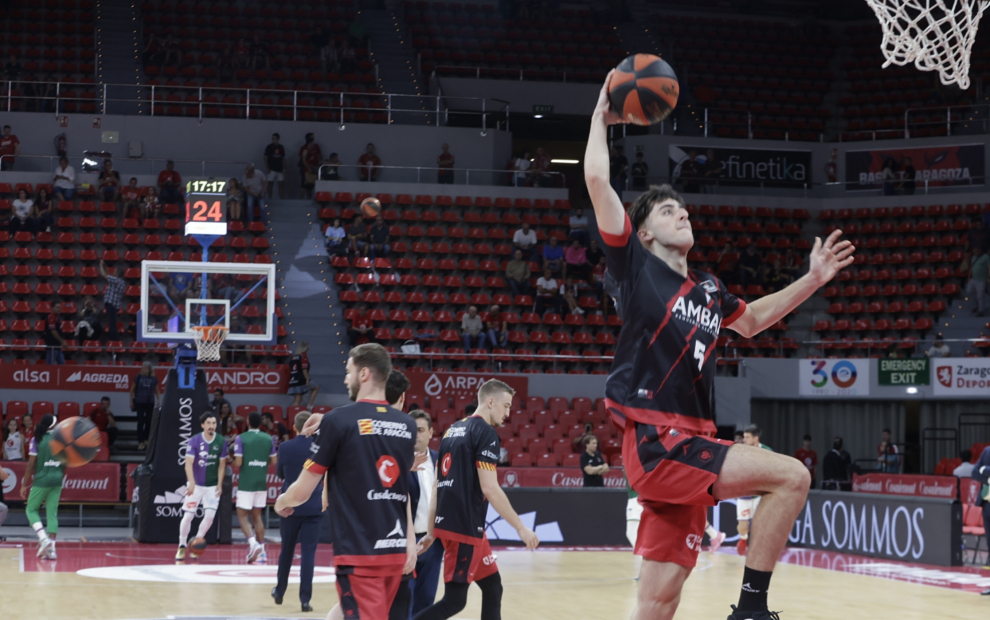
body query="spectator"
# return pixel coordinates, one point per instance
(254, 188)
(750, 267)
(88, 327)
(521, 166)
(593, 464)
(347, 57)
(21, 215)
(553, 257)
(889, 176)
(727, 264)
(808, 457)
(227, 426)
(150, 207)
(598, 276)
(886, 450)
(104, 420)
(10, 146)
(472, 328)
(713, 171)
(44, 211)
(938, 348)
(170, 184)
(357, 32)
(588, 432)
(336, 238)
(691, 173)
(777, 277)
(908, 177)
(275, 166)
(299, 380)
(579, 227)
(445, 162)
(639, 172)
(497, 328)
(836, 467)
(330, 170)
(369, 164)
(261, 56)
(594, 253)
(12, 70)
(617, 169)
(235, 201)
(362, 327)
(517, 273)
(145, 393)
(242, 54)
(273, 428)
(310, 157)
(64, 180)
(112, 296)
(542, 165)
(130, 197)
(547, 293)
(577, 261)
(357, 234)
(977, 285)
(965, 469)
(109, 182)
(379, 238)
(569, 293)
(152, 54)
(180, 287)
(792, 263)
(525, 239)
(13, 442)
(218, 401)
(170, 47)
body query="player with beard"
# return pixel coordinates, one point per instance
(206, 463)
(660, 391)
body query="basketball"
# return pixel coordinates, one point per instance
(371, 207)
(75, 441)
(197, 547)
(643, 89)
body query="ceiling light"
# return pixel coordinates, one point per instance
(537, 116)
(565, 161)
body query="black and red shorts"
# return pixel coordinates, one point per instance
(673, 471)
(467, 563)
(366, 597)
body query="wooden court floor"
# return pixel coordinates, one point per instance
(545, 585)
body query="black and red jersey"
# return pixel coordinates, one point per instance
(664, 367)
(367, 450)
(297, 364)
(467, 446)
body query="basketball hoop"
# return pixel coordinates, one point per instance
(208, 339)
(936, 35)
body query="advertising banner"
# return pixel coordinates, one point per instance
(969, 490)
(940, 166)
(94, 482)
(118, 379)
(595, 517)
(945, 487)
(834, 377)
(961, 376)
(903, 372)
(554, 477)
(745, 167)
(442, 386)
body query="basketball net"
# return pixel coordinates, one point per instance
(936, 35)
(208, 339)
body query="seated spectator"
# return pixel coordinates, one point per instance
(598, 276)
(88, 327)
(445, 162)
(369, 164)
(130, 197)
(310, 157)
(517, 273)
(547, 294)
(223, 286)
(938, 348)
(579, 227)
(150, 208)
(594, 253)
(330, 170)
(777, 278)
(336, 238)
(235, 201)
(542, 165)
(44, 210)
(525, 239)
(104, 420)
(13, 442)
(357, 235)
(357, 32)
(21, 217)
(522, 165)
(569, 293)
(618, 165)
(254, 187)
(553, 257)
(379, 238)
(639, 172)
(593, 464)
(64, 180)
(576, 260)
(170, 185)
(497, 328)
(242, 54)
(965, 469)
(228, 425)
(218, 401)
(472, 329)
(362, 327)
(750, 267)
(180, 287)
(109, 182)
(273, 428)
(261, 56)
(10, 148)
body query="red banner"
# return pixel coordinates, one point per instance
(118, 379)
(95, 482)
(946, 487)
(274, 484)
(969, 490)
(560, 477)
(442, 386)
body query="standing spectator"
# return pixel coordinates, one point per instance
(261, 56)
(617, 169)
(750, 267)
(497, 329)
(521, 165)
(150, 208)
(889, 176)
(242, 54)
(88, 327)
(569, 295)
(112, 296)
(10, 146)
(145, 393)
(422, 484)
(357, 234)
(691, 173)
(275, 166)
(525, 240)
(542, 166)
(64, 180)
(579, 227)
(908, 178)
(379, 238)
(977, 286)
(357, 32)
(576, 260)
(547, 293)
(53, 336)
(310, 157)
(152, 54)
(103, 418)
(517, 273)
(362, 326)
(171, 49)
(170, 184)
(299, 381)
(330, 170)
(253, 184)
(938, 348)
(714, 170)
(130, 198)
(639, 172)
(553, 257)
(13, 442)
(109, 182)
(965, 469)
(593, 464)
(472, 328)
(445, 162)
(12, 70)
(235, 201)
(369, 164)
(807, 456)
(218, 401)
(336, 238)
(887, 453)
(21, 215)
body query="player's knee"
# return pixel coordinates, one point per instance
(799, 478)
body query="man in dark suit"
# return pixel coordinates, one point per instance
(981, 473)
(303, 525)
(421, 488)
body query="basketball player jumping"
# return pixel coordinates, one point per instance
(206, 463)
(660, 389)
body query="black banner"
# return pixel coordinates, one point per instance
(939, 166)
(740, 167)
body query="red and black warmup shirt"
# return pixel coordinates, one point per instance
(367, 450)
(664, 367)
(297, 364)
(466, 447)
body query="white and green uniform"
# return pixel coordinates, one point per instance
(206, 457)
(255, 448)
(746, 506)
(46, 487)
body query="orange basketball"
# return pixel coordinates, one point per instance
(643, 89)
(371, 207)
(197, 547)
(75, 441)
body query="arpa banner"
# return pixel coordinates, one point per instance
(961, 376)
(442, 386)
(945, 487)
(834, 378)
(939, 166)
(94, 482)
(118, 379)
(554, 477)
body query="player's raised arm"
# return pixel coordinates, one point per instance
(497, 498)
(608, 205)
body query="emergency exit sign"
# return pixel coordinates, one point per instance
(542, 109)
(904, 372)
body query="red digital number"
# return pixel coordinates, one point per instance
(200, 211)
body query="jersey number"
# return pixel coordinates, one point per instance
(699, 353)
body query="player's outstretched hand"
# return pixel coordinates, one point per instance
(312, 424)
(828, 258)
(424, 544)
(603, 109)
(418, 460)
(190, 488)
(529, 538)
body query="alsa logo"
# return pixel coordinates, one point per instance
(32, 376)
(697, 315)
(120, 381)
(945, 376)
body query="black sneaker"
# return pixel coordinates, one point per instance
(753, 615)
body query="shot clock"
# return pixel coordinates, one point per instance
(206, 207)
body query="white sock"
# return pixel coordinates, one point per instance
(252, 542)
(39, 529)
(184, 526)
(204, 525)
(711, 531)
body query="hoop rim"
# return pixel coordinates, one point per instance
(209, 330)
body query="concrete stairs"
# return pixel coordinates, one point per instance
(118, 54)
(398, 69)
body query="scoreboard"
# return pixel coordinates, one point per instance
(206, 209)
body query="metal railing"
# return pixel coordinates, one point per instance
(512, 74)
(131, 166)
(723, 185)
(428, 174)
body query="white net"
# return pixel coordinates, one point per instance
(935, 35)
(208, 340)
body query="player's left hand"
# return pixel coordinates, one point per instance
(410, 561)
(281, 509)
(828, 258)
(424, 543)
